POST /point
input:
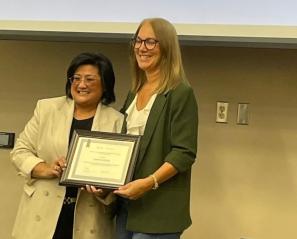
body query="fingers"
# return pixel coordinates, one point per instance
(61, 162)
(56, 170)
(58, 166)
(124, 187)
(121, 193)
(93, 189)
(126, 191)
(49, 170)
(127, 195)
(132, 190)
(96, 191)
(121, 190)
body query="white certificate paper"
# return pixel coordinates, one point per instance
(100, 159)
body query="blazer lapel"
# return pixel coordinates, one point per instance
(64, 119)
(150, 125)
(99, 119)
(129, 100)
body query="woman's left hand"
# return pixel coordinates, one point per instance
(135, 189)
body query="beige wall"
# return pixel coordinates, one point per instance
(244, 184)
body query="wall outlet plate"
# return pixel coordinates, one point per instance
(222, 112)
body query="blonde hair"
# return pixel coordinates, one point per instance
(170, 63)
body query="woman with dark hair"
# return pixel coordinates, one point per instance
(47, 210)
(161, 107)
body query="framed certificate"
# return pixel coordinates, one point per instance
(105, 160)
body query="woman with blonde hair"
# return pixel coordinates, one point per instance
(161, 107)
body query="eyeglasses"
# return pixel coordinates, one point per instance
(87, 79)
(149, 43)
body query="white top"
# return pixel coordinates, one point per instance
(136, 119)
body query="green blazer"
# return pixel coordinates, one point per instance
(170, 136)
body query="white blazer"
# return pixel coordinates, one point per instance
(44, 139)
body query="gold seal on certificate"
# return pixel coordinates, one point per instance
(101, 159)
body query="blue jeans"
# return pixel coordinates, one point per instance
(122, 233)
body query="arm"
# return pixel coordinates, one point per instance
(137, 188)
(24, 155)
(184, 129)
(183, 143)
(52, 170)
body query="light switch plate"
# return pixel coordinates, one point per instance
(243, 113)
(222, 112)
(6, 140)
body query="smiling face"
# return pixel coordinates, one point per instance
(147, 60)
(87, 88)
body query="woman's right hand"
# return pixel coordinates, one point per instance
(99, 192)
(53, 170)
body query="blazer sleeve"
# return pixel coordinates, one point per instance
(23, 155)
(183, 128)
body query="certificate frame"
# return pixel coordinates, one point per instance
(101, 159)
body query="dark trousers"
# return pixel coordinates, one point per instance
(64, 228)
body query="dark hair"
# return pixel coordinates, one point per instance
(105, 71)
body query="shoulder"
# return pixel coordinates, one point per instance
(182, 96)
(57, 101)
(182, 88)
(111, 112)
(181, 91)
(54, 104)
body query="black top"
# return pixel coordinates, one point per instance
(85, 124)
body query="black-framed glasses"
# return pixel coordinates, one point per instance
(87, 79)
(149, 43)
